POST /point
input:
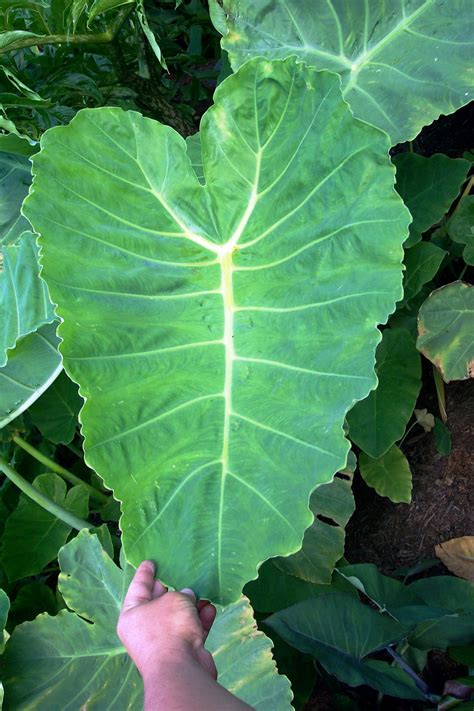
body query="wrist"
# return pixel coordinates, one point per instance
(166, 660)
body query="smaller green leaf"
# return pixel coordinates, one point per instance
(55, 412)
(461, 227)
(32, 366)
(445, 328)
(100, 6)
(244, 661)
(274, 589)
(323, 544)
(442, 437)
(24, 298)
(422, 263)
(99, 672)
(380, 419)
(148, 33)
(341, 633)
(389, 475)
(13, 144)
(33, 536)
(15, 177)
(445, 591)
(386, 593)
(455, 598)
(428, 186)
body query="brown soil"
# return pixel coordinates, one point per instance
(400, 535)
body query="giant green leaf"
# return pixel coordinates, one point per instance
(244, 661)
(75, 659)
(445, 330)
(15, 178)
(389, 475)
(24, 299)
(428, 187)
(323, 544)
(341, 633)
(55, 412)
(32, 366)
(219, 333)
(402, 64)
(380, 420)
(33, 536)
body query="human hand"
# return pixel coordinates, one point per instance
(160, 628)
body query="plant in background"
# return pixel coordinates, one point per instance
(219, 300)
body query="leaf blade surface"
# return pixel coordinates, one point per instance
(184, 317)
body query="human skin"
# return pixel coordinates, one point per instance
(164, 634)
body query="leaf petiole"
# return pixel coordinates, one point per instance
(58, 511)
(58, 469)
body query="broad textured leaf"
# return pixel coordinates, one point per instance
(401, 64)
(445, 328)
(389, 474)
(65, 662)
(422, 262)
(31, 368)
(55, 412)
(24, 299)
(456, 598)
(244, 662)
(428, 187)
(386, 593)
(224, 330)
(273, 589)
(458, 556)
(32, 536)
(15, 178)
(341, 632)
(380, 420)
(323, 544)
(461, 227)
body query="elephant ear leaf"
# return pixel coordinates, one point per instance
(220, 332)
(401, 64)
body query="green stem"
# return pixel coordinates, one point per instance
(439, 385)
(58, 469)
(58, 511)
(464, 270)
(99, 38)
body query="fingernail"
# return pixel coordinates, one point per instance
(188, 591)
